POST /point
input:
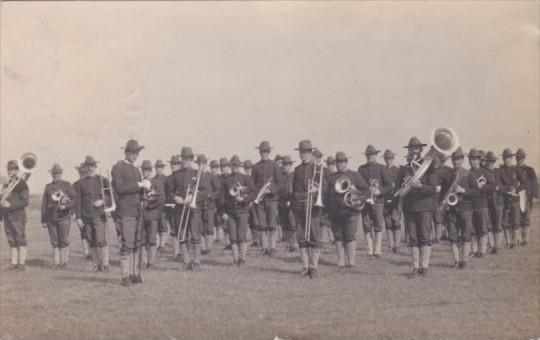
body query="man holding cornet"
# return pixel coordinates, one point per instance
(347, 196)
(239, 192)
(129, 188)
(90, 213)
(58, 198)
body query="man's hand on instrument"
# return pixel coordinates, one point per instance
(460, 189)
(178, 200)
(416, 184)
(80, 223)
(314, 188)
(145, 184)
(188, 198)
(5, 204)
(376, 192)
(98, 203)
(239, 198)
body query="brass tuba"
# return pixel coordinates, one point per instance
(443, 140)
(28, 163)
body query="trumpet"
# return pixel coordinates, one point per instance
(28, 163)
(443, 140)
(352, 197)
(262, 192)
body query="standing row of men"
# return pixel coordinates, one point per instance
(191, 204)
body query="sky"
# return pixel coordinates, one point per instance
(81, 78)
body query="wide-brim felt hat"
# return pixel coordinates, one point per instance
(133, 146)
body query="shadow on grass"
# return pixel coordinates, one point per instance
(37, 263)
(213, 262)
(92, 279)
(295, 272)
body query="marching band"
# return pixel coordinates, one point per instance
(473, 207)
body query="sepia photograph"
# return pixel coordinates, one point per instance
(269, 170)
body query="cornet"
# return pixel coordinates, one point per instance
(481, 181)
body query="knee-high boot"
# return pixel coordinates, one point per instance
(415, 253)
(369, 241)
(350, 250)
(340, 253)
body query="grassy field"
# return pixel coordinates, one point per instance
(496, 297)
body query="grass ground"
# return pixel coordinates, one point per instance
(496, 297)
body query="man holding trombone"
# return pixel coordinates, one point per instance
(309, 186)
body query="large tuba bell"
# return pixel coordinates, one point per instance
(443, 140)
(28, 163)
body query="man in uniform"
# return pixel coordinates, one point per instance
(345, 218)
(531, 185)
(326, 223)
(13, 212)
(163, 230)
(81, 170)
(183, 180)
(238, 192)
(267, 171)
(222, 231)
(512, 182)
(57, 200)
(154, 200)
(392, 218)
(209, 209)
(90, 213)
(286, 215)
(495, 203)
(380, 183)
(418, 208)
(482, 186)
(460, 216)
(129, 188)
(171, 209)
(303, 174)
(253, 222)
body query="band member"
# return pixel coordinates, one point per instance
(345, 212)
(531, 186)
(512, 182)
(380, 182)
(209, 208)
(90, 213)
(163, 229)
(129, 187)
(81, 170)
(460, 216)
(439, 215)
(418, 208)
(184, 190)
(13, 212)
(495, 203)
(481, 187)
(331, 165)
(304, 174)
(57, 199)
(326, 228)
(267, 179)
(286, 215)
(171, 209)
(153, 206)
(279, 160)
(253, 222)
(222, 231)
(238, 192)
(391, 213)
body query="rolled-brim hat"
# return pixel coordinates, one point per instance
(341, 157)
(317, 153)
(175, 159)
(304, 145)
(235, 161)
(520, 153)
(458, 153)
(264, 146)
(287, 160)
(159, 164)
(414, 142)
(13, 165)
(133, 146)
(389, 154)
(490, 157)
(186, 153)
(330, 160)
(371, 150)
(146, 165)
(201, 159)
(56, 169)
(507, 153)
(90, 161)
(248, 164)
(214, 164)
(223, 162)
(474, 153)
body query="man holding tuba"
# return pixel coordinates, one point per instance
(58, 198)
(380, 183)
(418, 206)
(267, 179)
(90, 213)
(344, 211)
(238, 192)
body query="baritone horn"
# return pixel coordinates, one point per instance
(352, 197)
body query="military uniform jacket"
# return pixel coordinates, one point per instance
(422, 199)
(262, 171)
(154, 204)
(18, 199)
(126, 178)
(479, 196)
(230, 204)
(161, 179)
(49, 208)
(302, 174)
(285, 194)
(87, 192)
(214, 191)
(466, 182)
(495, 198)
(335, 200)
(531, 181)
(379, 173)
(393, 171)
(185, 178)
(511, 177)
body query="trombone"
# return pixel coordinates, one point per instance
(186, 208)
(312, 183)
(263, 190)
